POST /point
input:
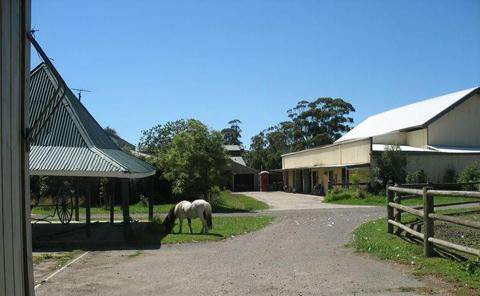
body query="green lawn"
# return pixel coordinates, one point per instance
(381, 200)
(226, 203)
(372, 237)
(223, 227)
(235, 202)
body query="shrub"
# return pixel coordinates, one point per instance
(391, 165)
(471, 173)
(416, 177)
(374, 185)
(342, 194)
(450, 175)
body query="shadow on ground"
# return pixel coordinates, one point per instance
(55, 237)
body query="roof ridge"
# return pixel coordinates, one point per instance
(422, 101)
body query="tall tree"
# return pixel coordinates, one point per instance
(311, 124)
(232, 134)
(194, 161)
(160, 136)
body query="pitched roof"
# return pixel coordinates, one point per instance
(416, 115)
(232, 147)
(72, 142)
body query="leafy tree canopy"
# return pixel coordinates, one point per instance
(160, 136)
(232, 134)
(193, 160)
(311, 124)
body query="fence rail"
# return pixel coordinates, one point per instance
(395, 195)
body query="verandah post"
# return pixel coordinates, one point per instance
(429, 226)
(390, 216)
(125, 207)
(150, 198)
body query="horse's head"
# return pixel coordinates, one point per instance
(169, 221)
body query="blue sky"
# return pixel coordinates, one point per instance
(149, 62)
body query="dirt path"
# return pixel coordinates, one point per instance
(301, 253)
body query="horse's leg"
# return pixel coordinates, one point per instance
(181, 222)
(204, 225)
(190, 225)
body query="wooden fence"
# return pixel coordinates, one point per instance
(396, 194)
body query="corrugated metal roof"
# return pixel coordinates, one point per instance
(238, 159)
(452, 149)
(72, 142)
(383, 147)
(411, 116)
(431, 149)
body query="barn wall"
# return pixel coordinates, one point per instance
(15, 235)
(343, 154)
(458, 127)
(417, 138)
(398, 138)
(435, 165)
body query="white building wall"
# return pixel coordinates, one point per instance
(357, 152)
(417, 138)
(458, 127)
(435, 165)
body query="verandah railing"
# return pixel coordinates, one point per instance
(396, 194)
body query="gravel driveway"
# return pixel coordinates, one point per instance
(301, 253)
(280, 200)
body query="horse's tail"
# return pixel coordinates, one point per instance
(207, 214)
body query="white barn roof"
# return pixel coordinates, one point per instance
(407, 117)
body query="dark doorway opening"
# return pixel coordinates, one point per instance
(243, 182)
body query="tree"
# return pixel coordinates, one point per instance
(311, 124)
(319, 122)
(159, 137)
(392, 165)
(193, 161)
(111, 131)
(232, 134)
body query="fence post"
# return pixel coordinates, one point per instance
(398, 199)
(389, 210)
(429, 226)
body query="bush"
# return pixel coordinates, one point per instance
(416, 177)
(471, 173)
(450, 175)
(374, 185)
(391, 165)
(342, 194)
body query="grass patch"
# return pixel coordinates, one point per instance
(234, 202)
(353, 197)
(223, 227)
(372, 237)
(227, 202)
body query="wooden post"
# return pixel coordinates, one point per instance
(150, 198)
(429, 226)
(16, 277)
(77, 207)
(88, 204)
(113, 193)
(390, 216)
(398, 215)
(125, 208)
